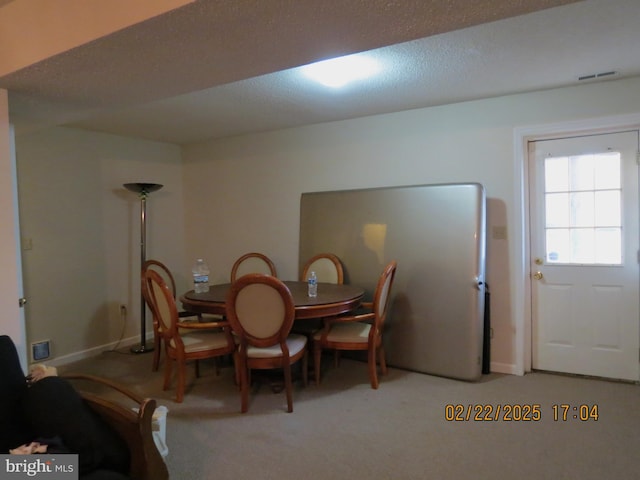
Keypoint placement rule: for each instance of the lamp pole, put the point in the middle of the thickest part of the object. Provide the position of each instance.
(143, 190)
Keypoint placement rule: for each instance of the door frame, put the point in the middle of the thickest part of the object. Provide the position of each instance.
(522, 136)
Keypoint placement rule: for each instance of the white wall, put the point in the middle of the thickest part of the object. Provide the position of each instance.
(243, 193)
(84, 229)
(12, 320)
(226, 197)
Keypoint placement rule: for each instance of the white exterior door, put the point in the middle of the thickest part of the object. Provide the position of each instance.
(584, 255)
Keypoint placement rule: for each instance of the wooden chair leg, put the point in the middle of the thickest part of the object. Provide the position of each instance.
(181, 382)
(156, 353)
(197, 368)
(167, 373)
(236, 368)
(288, 387)
(373, 368)
(305, 368)
(383, 361)
(244, 386)
(317, 359)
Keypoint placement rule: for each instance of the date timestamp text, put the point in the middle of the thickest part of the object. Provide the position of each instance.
(518, 412)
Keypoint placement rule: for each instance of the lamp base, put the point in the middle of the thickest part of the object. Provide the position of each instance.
(142, 348)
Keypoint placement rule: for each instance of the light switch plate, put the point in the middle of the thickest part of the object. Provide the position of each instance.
(499, 232)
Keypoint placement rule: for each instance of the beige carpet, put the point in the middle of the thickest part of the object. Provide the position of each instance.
(345, 430)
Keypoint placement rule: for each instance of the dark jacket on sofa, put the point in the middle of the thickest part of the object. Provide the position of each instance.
(51, 409)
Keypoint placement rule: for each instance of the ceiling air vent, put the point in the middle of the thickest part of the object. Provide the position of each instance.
(598, 76)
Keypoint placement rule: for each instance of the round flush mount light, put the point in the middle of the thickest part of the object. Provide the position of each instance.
(338, 72)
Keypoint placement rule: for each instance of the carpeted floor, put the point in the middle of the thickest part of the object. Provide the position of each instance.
(407, 429)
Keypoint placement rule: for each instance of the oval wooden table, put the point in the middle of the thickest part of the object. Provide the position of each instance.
(331, 300)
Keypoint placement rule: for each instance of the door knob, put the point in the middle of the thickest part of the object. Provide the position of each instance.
(22, 302)
(538, 275)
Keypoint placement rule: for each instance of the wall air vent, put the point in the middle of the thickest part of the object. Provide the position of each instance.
(41, 350)
(598, 76)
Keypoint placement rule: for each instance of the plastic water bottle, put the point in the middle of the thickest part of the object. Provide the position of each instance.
(312, 285)
(200, 276)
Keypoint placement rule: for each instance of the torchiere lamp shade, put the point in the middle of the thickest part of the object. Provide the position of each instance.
(142, 188)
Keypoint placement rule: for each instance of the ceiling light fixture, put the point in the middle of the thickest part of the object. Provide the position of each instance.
(338, 72)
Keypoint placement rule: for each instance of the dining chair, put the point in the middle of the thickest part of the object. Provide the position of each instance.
(167, 276)
(261, 311)
(183, 341)
(359, 332)
(252, 263)
(327, 266)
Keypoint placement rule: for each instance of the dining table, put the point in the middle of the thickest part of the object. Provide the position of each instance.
(331, 299)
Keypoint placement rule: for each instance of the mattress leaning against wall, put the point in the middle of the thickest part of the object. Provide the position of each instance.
(437, 235)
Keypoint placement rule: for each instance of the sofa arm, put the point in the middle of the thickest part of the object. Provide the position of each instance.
(134, 427)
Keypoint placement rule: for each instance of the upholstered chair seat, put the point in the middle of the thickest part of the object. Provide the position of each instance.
(356, 332)
(201, 341)
(295, 343)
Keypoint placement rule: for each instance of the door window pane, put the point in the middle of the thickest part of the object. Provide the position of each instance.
(582, 245)
(608, 244)
(582, 214)
(582, 172)
(608, 209)
(583, 211)
(557, 209)
(558, 246)
(607, 171)
(556, 170)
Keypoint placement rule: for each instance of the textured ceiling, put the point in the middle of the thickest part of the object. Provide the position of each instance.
(213, 69)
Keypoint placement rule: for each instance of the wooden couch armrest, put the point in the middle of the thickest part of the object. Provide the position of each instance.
(134, 427)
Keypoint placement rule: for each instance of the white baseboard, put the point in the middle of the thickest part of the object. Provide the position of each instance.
(508, 368)
(92, 352)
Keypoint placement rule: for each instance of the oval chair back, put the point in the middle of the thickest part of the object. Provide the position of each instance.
(162, 304)
(166, 275)
(381, 296)
(327, 266)
(163, 271)
(253, 262)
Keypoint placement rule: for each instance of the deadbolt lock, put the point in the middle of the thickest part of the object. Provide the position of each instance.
(538, 261)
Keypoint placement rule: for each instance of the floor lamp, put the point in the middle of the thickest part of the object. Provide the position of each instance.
(143, 190)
